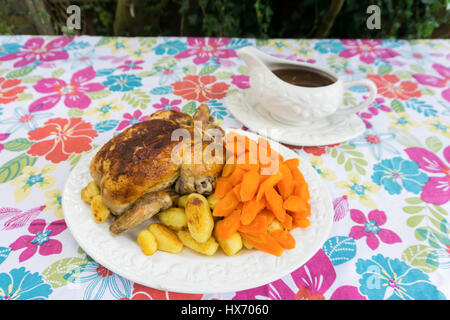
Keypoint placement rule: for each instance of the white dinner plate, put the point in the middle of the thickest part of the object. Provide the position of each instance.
(188, 271)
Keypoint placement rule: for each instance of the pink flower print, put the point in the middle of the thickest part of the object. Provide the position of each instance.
(313, 280)
(131, 65)
(40, 240)
(204, 51)
(241, 81)
(370, 228)
(130, 119)
(34, 49)
(3, 137)
(436, 81)
(373, 110)
(73, 92)
(165, 104)
(367, 50)
(437, 189)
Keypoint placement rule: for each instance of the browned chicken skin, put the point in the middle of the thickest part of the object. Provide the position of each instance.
(135, 167)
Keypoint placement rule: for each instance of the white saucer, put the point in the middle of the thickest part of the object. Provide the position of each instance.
(330, 130)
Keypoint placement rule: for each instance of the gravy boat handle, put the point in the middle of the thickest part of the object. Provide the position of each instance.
(372, 93)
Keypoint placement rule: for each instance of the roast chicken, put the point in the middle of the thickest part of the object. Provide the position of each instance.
(139, 169)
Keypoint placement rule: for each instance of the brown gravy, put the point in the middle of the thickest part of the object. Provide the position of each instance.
(303, 77)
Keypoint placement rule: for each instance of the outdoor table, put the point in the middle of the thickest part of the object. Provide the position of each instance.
(62, 97)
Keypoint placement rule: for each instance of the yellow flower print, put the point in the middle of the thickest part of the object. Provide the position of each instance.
(118, 44)
(304, 49)
(316, 163)
(105, 109)
(354, 189)
(55, 203)
(401, 120)
(32, 178)
(279, 44)
(138, 53)
(437, 125)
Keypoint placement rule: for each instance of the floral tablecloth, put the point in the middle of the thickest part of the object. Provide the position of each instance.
(60, 98)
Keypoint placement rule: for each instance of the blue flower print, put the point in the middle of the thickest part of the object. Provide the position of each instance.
(391, 279)
(6, 48)
(123, 82)
(377, 142)
(391, 172)
(333, 46)
(21, 284)
(170, 47)
(24, 119)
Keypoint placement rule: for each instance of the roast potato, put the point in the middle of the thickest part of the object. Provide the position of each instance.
(89, 192)
(174, 218)
(213, 201)
(99, 210)
(232, 245)
(147, 242)
(207, 248)
(166, 239)
(182, 201)
(199, 218)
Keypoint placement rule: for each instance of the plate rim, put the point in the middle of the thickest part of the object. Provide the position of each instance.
(189, 290)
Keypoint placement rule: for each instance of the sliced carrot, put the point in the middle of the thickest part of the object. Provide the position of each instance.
(229, 225)
(270, 182)
(302, 191)
(236, 176)
(250, 209)
(248, 161)
(275, 203)
(226, 205)
(237, 191)
(303, 223)
(286, 184)
(294, 203)
(258, 225)
(292, 163)
(287, 223)
(264, 242)
(268, 214)
(298, 176)
(298, 216)
(223, 186)
(284, 238)
(250, 184)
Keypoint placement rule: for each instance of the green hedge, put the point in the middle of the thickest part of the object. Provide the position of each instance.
(237, 18)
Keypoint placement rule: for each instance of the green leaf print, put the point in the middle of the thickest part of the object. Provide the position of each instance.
(433, 143)
(397, 106)
(137, 99)
(351, 159)
(11, 169)
(19, 144)
(420, 256)
(56, 274)
(189, 108)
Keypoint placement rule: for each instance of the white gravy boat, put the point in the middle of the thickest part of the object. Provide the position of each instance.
(293, 104)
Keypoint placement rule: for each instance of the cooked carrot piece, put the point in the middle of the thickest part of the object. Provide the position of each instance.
(275, 203)
(258, 225)
(226, 205)
(248, 161)
(250, 209)
(264, 242)
(284, 238)
(236, 176)
(287, 223)
(223, 186)
(298, 176)
(294, 203)
(250, 184)
(298, 216)
(286, 184)
(303, 223)
(237, 191)
(268, 214)
(226, 227)
(268, 183)
(302, 191)
(292, 163)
